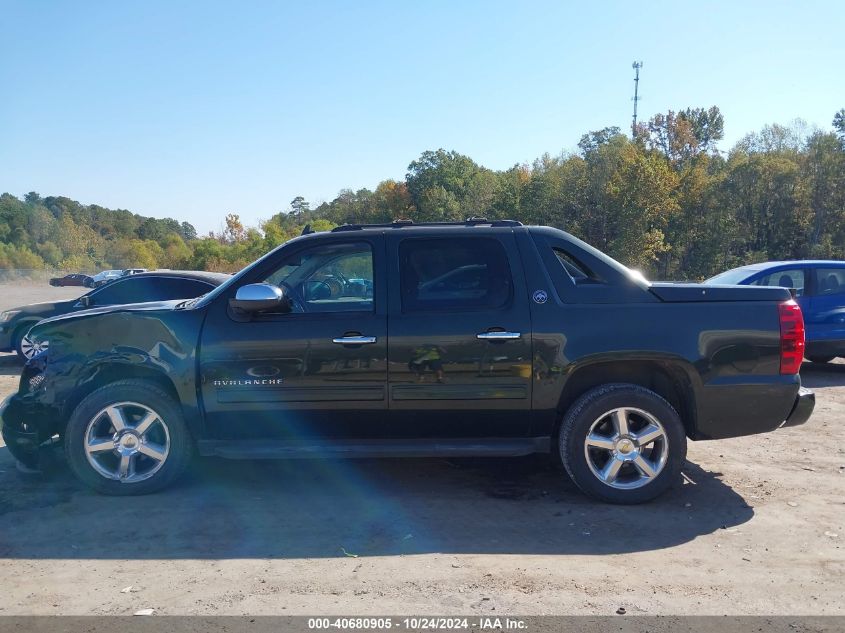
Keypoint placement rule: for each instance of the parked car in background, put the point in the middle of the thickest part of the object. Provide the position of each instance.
(104, 277)
(819, 287)
(132, 271)
(74, 279)
(141, 288)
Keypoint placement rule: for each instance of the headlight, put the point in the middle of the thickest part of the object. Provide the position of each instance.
(8, 315)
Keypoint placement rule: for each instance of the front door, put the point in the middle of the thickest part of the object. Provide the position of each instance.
(319, 371)
(459, 337)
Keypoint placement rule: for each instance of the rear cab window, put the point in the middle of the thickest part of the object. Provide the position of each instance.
(575, 269)
(579, 273)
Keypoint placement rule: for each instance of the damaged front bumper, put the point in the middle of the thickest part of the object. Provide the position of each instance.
(25, 430)
(21, 439)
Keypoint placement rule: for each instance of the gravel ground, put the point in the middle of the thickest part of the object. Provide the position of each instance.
(756, 528)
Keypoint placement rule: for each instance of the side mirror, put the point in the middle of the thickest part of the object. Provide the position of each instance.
(85, 301)
(258, 298)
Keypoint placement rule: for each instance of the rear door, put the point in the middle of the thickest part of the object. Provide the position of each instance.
(459, 351)
(825, 318)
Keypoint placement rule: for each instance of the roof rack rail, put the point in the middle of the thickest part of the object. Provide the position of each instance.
(403, 222)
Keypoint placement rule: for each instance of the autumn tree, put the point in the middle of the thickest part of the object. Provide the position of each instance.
(234, 231)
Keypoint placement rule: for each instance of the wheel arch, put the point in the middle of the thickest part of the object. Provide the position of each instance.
(670, 380)
(106, 373)
(22, 327)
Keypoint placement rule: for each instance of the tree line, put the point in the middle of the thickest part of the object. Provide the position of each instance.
(664, 200)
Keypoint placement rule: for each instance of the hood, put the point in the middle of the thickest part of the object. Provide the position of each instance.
(157, 331)
(45, 309)
(128, 307)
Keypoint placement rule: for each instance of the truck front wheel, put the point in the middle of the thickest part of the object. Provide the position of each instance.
(128, 438)
(622, 443)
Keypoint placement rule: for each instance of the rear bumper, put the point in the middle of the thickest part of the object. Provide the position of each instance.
(805, 402)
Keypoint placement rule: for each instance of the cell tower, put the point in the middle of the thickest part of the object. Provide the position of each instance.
(636, 66)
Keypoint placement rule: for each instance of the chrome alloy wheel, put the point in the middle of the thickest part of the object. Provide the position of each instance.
(626, 448)
(127, 442)
(29, 348)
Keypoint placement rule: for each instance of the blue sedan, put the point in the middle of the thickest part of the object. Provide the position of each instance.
(820, 291)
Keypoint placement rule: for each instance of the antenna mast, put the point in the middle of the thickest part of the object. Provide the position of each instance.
(636, 66)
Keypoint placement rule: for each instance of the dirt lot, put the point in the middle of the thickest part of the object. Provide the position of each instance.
(757, 528)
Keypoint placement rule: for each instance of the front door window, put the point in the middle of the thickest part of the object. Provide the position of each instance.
(790, 278)
(329, 278)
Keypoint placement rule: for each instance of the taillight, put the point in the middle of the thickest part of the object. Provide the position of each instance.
(791, 337)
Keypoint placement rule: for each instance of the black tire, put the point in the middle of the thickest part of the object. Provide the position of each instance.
(148, 395)
(594, 406)
(30, 460)
(821, 360)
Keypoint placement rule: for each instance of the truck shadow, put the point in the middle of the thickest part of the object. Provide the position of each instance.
(318, 509)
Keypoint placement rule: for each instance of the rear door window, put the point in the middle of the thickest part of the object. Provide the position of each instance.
(448, 273)
(830, 281)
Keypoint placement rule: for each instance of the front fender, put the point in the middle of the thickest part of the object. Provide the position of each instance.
(96, 349)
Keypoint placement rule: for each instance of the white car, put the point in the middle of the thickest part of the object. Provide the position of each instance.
(104, 277)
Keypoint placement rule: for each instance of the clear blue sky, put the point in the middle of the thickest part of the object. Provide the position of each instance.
(196, 109)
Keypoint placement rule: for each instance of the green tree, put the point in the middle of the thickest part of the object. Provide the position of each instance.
(640, 195)
(839, 124)
(824, 174)
(299, 207)
(449, 186)
(187, 231)
(707, 126)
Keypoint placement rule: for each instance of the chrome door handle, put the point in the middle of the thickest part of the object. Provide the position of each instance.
(354, 340)
(498, 336)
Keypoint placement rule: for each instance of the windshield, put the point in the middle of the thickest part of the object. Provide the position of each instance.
(732, 277)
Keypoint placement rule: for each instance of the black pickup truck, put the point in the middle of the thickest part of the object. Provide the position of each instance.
(475, 338)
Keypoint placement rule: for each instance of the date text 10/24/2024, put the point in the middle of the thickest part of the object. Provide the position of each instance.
(418, 623)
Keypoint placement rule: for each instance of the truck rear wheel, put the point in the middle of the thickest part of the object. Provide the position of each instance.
(128, 438)
(622, 443)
